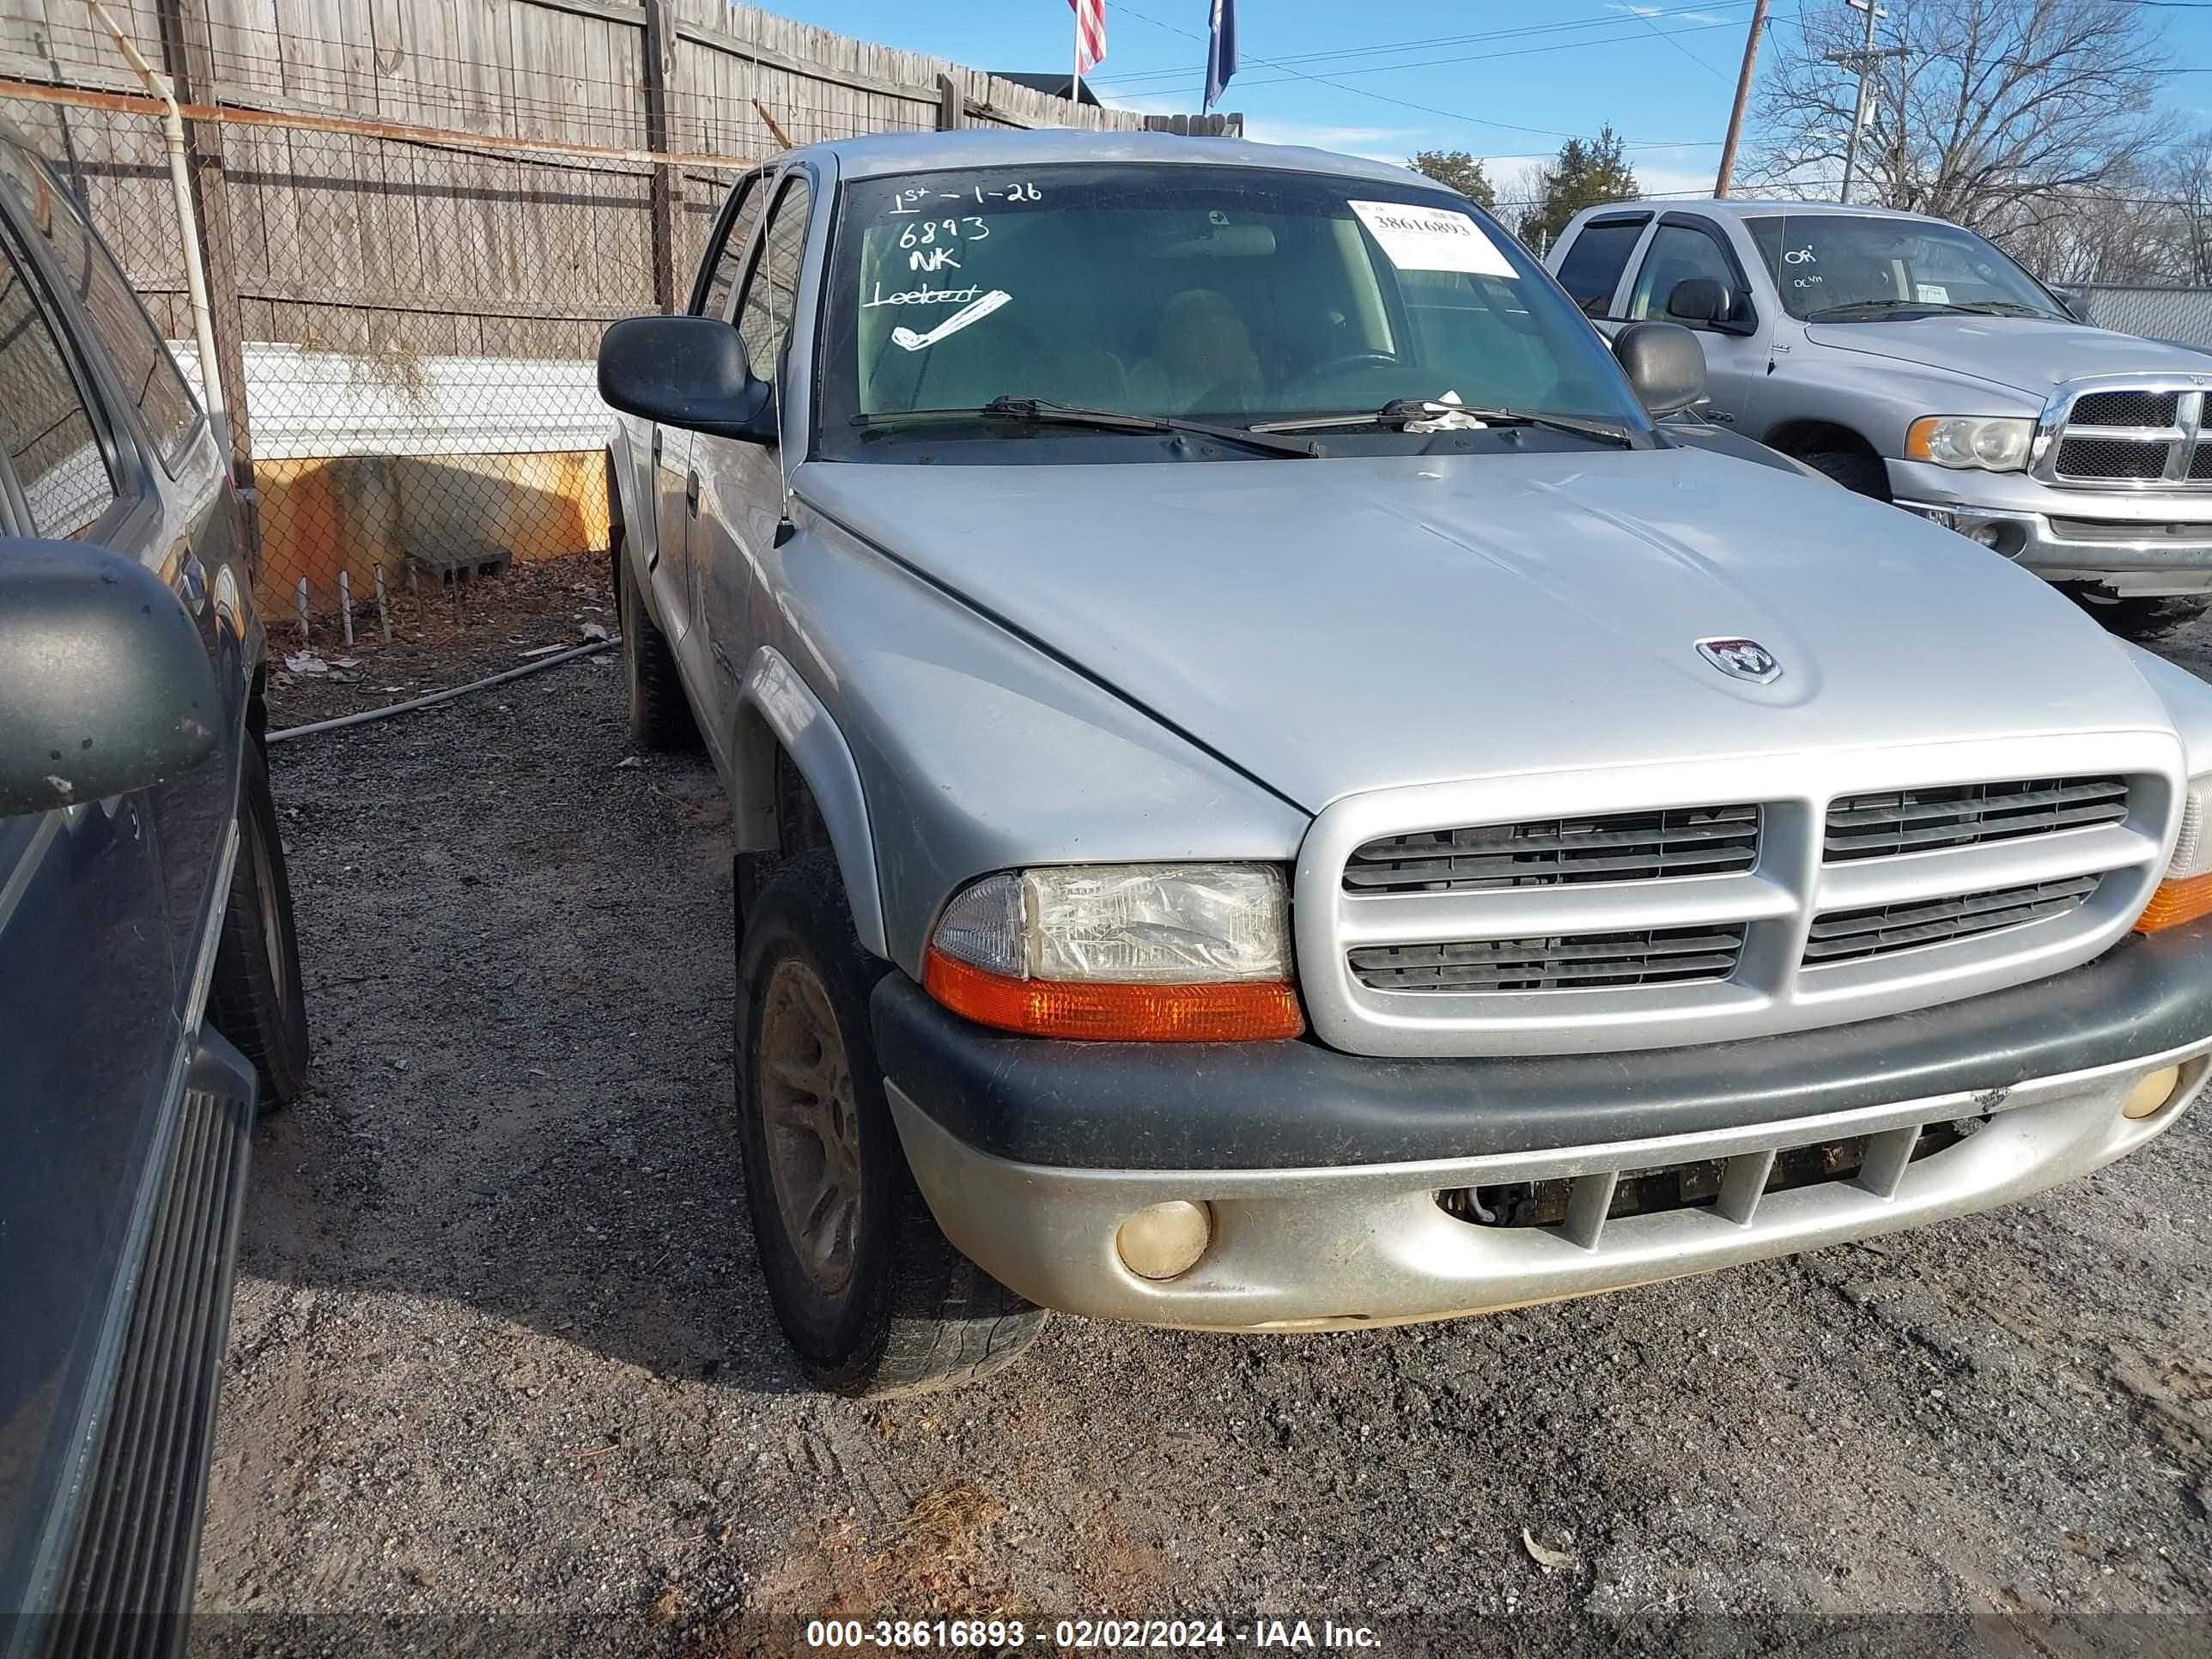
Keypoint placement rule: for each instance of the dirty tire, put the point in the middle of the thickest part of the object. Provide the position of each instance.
(1854, 469)
(902, 1310)
(659, 719)
(255, 997)
(2146, 619)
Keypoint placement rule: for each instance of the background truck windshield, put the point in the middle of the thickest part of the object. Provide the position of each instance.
(1878, 266)
(1233, 293)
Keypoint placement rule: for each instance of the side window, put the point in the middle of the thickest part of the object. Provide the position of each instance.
(771, 291)
(1591, 271)
(148, 374)
(1678, 254)
(735, 229)
(45, 424)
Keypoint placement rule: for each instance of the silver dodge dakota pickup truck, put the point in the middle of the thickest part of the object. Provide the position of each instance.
(1272, 790)
(1916, 362)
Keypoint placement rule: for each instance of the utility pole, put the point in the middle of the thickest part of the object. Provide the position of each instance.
(1742, 96)
(1862, 60)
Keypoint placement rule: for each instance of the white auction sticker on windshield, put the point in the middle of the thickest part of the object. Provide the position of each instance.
(1431, 239)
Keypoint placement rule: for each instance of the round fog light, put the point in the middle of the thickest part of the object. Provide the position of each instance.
(1165, 1239)
(2151, 1092)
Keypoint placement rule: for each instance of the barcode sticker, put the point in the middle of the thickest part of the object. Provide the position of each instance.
(1431, 239)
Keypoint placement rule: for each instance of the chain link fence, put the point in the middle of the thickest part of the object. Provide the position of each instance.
(418, 222)
(2180, 314)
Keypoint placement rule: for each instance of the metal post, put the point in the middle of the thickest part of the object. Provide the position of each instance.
(383, 609)
(345, 603)
(662, 189)
(1743, 96)
(299, 599)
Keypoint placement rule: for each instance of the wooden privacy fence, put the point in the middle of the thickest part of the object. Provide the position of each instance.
(417, 216)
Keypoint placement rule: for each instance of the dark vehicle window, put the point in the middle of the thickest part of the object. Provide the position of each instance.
(1231, 294)
(730, 256)
(1591, 271)
(1867, 266)
(764, 319)
(148, 374)
(48, 431)
(1678, 254)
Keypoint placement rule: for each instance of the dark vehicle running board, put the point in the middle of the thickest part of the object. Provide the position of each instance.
(129, 1586)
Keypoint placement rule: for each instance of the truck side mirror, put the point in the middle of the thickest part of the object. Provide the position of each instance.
(1705, 301)
(686, 372)
(1665, 364)
(105, 684)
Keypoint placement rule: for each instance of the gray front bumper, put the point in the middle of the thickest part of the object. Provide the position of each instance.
(1343, 1245)
(2138, 543)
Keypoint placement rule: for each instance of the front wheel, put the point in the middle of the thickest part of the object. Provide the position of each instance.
(255, 998)
(871, 1294)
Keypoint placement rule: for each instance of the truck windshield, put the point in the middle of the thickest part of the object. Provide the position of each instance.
(1235, 295)
(1837, 267)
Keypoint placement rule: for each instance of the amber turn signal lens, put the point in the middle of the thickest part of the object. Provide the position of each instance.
(1243, 1010)
(2175, 903)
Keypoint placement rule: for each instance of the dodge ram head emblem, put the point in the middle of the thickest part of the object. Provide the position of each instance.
(1742, 659)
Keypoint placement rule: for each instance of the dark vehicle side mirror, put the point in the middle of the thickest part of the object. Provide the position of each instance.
(1665, 364)
(105, 684)
(2070, 303)
(687, 372)
(1706, 300)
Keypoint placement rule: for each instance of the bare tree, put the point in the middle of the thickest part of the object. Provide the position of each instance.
(1988, 113)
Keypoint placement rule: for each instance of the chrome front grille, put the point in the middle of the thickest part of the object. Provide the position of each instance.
(1696, 840)
(1894, 821)
(1853, 935)
(1648, 956)
(1607, 911)
(2141, 435)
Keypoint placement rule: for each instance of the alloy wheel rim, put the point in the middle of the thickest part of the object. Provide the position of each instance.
(804, 1087)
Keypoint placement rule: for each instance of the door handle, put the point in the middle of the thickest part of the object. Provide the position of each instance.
(691, 493)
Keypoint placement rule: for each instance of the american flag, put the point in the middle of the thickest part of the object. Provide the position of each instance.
(1089, 35)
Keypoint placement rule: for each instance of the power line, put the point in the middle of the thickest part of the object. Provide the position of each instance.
(1408, 103)
(1337, 54)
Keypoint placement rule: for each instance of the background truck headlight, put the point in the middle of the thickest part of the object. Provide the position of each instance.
(1991, 443)
(1129, 953)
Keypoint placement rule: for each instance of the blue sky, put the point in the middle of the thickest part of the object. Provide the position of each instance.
(1503, 79)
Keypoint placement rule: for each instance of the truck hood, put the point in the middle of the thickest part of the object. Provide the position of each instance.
(1351, 624)
(2028, 354)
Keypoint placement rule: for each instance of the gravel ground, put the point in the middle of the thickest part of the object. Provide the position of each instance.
(502, 1374)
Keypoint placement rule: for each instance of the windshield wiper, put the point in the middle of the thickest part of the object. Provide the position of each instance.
(1401, 411)
(1045, 412)
(1858, 308)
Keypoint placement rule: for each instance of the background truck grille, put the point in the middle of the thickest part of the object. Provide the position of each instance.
(1965, 815)
(1651, 956)
(1694, 840)
(2127, 436)
(1853, 935)
(2125, 409)
(2111, 458)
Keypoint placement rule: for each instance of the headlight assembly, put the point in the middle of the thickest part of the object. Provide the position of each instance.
(1991, 443)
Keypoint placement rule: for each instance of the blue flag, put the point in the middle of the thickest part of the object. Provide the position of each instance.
(1220, 51)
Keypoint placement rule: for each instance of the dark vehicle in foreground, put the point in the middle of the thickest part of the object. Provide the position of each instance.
(149, 977)
(1273, 791)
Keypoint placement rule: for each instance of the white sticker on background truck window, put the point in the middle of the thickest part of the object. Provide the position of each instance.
(1431, 239)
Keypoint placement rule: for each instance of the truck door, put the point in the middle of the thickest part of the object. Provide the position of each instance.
(675, 451)
(90, 1048)
(741, 484)
(1684, 247)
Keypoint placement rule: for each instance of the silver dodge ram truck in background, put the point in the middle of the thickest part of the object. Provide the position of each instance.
(1914, 362)
(1270, 793)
